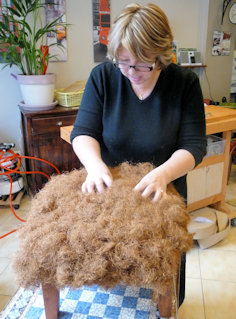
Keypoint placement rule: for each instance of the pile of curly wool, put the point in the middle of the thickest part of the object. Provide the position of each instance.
(75, 239)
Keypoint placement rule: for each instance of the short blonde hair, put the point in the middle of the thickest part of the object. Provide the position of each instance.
(145, 32)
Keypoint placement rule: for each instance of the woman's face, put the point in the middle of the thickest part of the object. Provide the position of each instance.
(136, 77)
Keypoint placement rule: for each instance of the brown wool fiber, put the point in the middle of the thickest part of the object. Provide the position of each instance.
(75, 239)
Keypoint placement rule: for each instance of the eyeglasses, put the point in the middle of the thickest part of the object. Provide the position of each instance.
(140, 68)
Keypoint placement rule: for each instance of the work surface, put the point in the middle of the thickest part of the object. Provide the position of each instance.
(218, 119)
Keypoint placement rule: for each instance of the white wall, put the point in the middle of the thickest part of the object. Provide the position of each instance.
(219, 68)
(187, 18)
(10, 117)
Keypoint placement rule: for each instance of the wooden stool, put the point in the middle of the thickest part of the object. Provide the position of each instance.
(51, 297)
(61, 254)
(51, 302)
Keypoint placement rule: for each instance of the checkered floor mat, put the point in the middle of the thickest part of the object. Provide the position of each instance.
(121, 302)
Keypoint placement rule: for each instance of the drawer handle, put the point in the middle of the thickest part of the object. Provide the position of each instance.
(59, 123)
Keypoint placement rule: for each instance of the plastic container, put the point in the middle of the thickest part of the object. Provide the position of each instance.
(215, 145)
(69, 99)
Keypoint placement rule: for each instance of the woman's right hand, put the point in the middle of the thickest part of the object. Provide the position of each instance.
(88, 151)
(99, 177)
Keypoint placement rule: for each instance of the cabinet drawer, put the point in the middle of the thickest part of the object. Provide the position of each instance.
(51, 125)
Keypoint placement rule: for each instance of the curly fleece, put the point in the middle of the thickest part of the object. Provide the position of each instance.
(75, 239)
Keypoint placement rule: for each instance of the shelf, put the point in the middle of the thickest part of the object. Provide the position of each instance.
(211, 160)
(193, 66)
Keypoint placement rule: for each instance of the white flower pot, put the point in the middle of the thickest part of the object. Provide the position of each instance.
(37, 89)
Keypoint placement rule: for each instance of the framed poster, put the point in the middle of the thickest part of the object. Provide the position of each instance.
(54, 11)
(101, 28)
(221, 43)
(175, 52)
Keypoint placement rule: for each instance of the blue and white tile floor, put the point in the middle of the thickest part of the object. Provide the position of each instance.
(121, 302)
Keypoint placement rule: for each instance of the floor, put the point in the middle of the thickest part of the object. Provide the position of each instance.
(210, 278)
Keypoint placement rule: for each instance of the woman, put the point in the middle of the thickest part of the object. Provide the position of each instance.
(140, 107)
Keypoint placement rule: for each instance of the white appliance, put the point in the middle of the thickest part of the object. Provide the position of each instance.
(189, 58)
(17, 180)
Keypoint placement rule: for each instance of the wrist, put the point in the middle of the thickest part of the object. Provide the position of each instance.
(93, 164)
(164, 173)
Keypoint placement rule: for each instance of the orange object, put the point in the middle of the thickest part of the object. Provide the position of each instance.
(61, 33)
(104, 21)
(45, 50)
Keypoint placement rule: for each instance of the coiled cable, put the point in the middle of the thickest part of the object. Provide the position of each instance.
(8, 161)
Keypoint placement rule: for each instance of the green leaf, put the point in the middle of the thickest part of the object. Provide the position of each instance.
(6, 23)
(28, 37)
(18, 7)
(25, 25)
(13, 11)
(4, 27)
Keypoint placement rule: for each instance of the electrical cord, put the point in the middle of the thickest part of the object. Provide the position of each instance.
(7, 171)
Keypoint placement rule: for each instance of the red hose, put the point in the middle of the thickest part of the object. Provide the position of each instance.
(12, 158)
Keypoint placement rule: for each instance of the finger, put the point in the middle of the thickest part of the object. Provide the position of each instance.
(90, 187)
(158, 195)
(108, 180)
(84, 187)
(140, 187)
(100, 186)
(148, 191)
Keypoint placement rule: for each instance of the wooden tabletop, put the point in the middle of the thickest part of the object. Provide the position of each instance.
(218, 119)
(65, 132)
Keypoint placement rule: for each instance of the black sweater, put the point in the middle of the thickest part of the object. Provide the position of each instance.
(150, 130)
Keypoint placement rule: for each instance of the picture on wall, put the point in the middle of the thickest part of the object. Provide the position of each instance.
(54, 11)
(221, 43)
(12, 26)
(101, 27)
(175, 52)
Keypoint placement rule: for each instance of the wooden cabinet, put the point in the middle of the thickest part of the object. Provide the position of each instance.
(41, 131)
(207, 182)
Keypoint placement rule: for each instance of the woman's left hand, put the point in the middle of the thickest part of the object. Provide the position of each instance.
(153, 185)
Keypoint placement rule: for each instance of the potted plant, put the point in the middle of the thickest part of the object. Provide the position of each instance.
(22, 37)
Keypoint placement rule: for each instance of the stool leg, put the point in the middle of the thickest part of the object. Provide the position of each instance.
(51, 301)
(165, 304)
